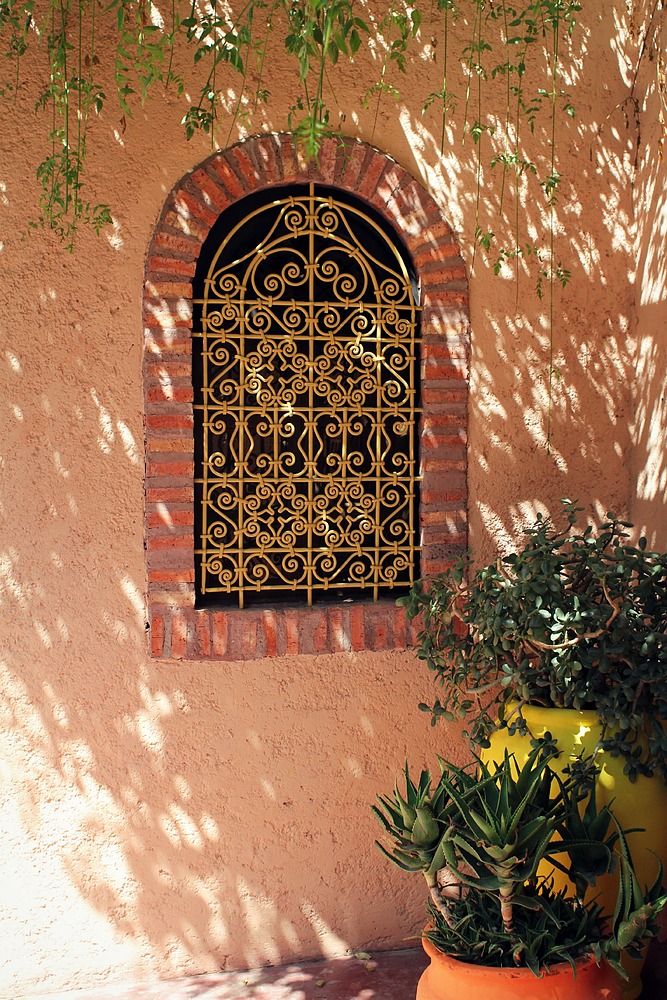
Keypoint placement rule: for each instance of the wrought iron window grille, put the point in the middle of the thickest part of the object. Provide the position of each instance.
(306, 375)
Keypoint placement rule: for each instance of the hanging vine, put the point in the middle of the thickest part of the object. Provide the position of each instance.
(509, 54)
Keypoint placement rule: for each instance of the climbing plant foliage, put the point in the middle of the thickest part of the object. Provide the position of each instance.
(228, 43)
(481, 54)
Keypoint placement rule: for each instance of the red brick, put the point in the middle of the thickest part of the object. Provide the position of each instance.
(450, 319)
(339, 630)
(452, 464)
(357, 627)
(167, 314)
(168, 342)
(389, 182)
(371, 175)
(441, 524)
(292, 632)
(440, 275)
(175, 518)
(179, 635)
(182, 246)
(169, 393)
(190, 204)
(417, 202)
(454, 348)
(269, 625)
(434, 395)
(171, 557)
(211, 193)
(244, 168)
(327, 159)
(351, 163)
(171, 575)
(220, 633)
(195, 228)
(320, 633)
(432, 494)
(443, 249)
(170, 265)
(288, 157)
(452, 267)
(445, 369)
(170, 541)
(167, 369)
(157, 635)
(229, 179)
(400, 628)
(249, 637)
(433, 566)
(160, 469)
(175, 446)
(434, 422)
(444, 294)
(379, 634)
(166, 482)
(170, 495)
(429, 236)
(169, 421)
(178, 598)
(203, 633)
(169, 289)
(443, 444)
(266, 149)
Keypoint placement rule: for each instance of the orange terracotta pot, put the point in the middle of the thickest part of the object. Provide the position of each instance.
(448, 979)
(642, 803)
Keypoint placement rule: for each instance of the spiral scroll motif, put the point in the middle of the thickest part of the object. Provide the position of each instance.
(307, 409)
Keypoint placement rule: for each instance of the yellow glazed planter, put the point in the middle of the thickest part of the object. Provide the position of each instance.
(642, 803)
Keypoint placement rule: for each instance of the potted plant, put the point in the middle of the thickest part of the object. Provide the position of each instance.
(497, 923)
(575, 619)
(564, 640)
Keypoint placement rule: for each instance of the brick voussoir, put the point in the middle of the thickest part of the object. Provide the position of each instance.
(178, 630)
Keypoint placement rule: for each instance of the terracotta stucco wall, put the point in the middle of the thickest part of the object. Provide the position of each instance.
(649, 469)
(158, 818)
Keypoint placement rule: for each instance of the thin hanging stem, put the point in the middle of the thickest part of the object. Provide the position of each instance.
(480, 132)
(384, 70)
(508, 110)
(552, 224)
(167, 78)
(214, 99)
(445, 44)
(260, 69)
(80, 109)
(65, 84)
(470, 55)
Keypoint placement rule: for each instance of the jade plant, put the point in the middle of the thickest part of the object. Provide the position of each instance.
(575, 618)
(487, 839)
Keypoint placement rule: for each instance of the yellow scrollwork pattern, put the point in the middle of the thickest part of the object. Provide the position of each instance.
(308, 404)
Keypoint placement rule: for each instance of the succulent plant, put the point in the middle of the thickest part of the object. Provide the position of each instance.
(493, 829)
(577, 618)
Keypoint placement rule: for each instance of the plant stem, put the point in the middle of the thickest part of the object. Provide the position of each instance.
(552, 222)
(445, 45)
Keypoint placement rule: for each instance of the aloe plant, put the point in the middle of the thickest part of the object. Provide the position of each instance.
(483, 836)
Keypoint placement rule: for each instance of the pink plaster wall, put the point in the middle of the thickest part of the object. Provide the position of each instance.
(649, 464)
(162, 819)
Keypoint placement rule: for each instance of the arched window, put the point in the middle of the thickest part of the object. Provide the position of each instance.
(306, 377)
(283, 408)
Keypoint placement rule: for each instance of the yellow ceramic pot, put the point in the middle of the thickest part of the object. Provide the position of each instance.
(642, 803)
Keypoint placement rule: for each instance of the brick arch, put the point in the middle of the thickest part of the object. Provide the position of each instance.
(177, 629)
